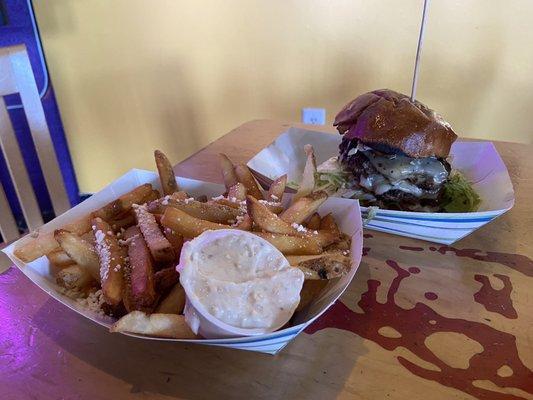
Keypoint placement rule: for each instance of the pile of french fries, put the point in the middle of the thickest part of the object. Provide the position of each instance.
(126, 252)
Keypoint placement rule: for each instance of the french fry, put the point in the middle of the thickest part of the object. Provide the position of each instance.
(166, 173)
(328, 223)
(325, 238)
(274, 207)
(267, 220)
(80, 251)
(342, 244)
(79, 226)
(328, 266)
(37, 247)
(139, 281)
(295, 259)
(111, 258)
(159, 246)
(314, 222)
(225, 202)
(328, 234)
(237, 192)
(187, 225)
(74, 277)
(59, 258)
(158, 218)
(152, 196)
(309, 274)
(44, 243)
(166, 279)
(228, 171)
(307, 185)
(247, 179)
(208, 211)
(245, 224)
(304, 207)
(158, 205)
(159, 325)
(88, 237)
(123, 223)
(123, 204)
(276, 190)
(310, 290)
(174, 302)
(175, 239)
(292, 245)
(180, 195)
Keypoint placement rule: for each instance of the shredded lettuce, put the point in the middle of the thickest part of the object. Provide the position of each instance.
(372, 212)
(331, 177)
(331, 182)
(459, 196)
(293, 185)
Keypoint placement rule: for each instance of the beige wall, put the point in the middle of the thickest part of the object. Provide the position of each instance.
(134, 75)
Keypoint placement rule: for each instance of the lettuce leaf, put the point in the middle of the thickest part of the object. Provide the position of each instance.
(331, 181)
(293, 185)
(331, 177)
(459, 196)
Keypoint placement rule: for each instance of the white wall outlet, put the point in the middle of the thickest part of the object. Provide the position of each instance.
(314, 116)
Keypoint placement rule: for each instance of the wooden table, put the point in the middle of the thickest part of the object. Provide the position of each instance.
(419, 321)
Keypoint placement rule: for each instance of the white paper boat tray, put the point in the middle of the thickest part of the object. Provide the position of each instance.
(478, 161)
(346, 212)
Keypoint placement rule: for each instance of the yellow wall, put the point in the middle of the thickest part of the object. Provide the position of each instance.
(133, 75)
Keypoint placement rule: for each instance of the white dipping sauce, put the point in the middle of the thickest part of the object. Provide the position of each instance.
(240, 279)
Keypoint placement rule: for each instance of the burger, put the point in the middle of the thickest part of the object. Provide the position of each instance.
(394, 155)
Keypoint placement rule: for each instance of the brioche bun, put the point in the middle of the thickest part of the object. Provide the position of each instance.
(390, 122)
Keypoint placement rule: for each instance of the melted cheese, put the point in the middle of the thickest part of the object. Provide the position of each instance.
(379, 185)
(397, 168)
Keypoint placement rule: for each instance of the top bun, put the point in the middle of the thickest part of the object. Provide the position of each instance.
(390, 122)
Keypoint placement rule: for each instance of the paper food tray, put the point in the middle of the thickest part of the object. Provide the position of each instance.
(346, 212)
(478, 161)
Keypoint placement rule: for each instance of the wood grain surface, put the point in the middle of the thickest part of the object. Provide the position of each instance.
(419, 321)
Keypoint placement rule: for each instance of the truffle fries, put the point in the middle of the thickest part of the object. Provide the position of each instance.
(130, 247)
(79, 251)
(244, 175)
(308, 183)
(112, 261)
(276, 190)
(304, 207)
(139, 291)
(159, 246)
(228, 171)
(123, 204)
(166, 174)
(161, 325)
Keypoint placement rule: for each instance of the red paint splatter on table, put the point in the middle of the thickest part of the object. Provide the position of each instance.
(366, 250)
(368, 235)
(431, 296)
(414, 270)
(498, 301)
(416, 325)
(517, 262)
(411, 248)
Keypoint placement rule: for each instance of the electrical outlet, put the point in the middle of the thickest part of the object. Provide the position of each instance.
(314, 116)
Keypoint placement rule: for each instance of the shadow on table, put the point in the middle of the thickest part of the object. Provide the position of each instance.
(312, 366)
